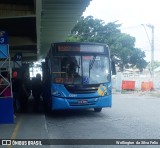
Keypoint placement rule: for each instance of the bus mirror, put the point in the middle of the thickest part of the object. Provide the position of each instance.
(113, 68)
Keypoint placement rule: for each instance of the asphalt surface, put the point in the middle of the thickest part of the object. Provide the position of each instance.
(132, 116)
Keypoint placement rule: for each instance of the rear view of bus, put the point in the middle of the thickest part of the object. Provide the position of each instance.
(77, 76)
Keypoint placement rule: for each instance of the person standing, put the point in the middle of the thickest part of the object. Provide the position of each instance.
(36, 91)
(25, 91)
(15, 91)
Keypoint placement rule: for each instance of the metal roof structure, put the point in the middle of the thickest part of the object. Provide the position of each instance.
(32, 25)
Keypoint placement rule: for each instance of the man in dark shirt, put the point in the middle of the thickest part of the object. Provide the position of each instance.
(37, 90)
(16, 90)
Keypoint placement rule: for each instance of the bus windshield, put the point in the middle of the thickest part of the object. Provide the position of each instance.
(81, 69)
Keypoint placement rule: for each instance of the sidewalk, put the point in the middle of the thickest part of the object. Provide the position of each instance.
(28, 125)
(31, 126)
(154, 93)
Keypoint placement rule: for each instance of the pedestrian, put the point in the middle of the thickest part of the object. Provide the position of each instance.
(16, 84)
(25, 91)
(36, 91)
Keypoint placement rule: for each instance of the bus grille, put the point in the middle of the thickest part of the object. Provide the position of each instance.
(82, 89)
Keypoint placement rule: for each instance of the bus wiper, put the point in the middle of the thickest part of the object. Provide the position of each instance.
(91, 63)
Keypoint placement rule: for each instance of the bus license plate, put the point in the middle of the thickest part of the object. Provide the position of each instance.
(82, 101)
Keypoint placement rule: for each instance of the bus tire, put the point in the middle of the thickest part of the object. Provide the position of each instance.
(97, 109)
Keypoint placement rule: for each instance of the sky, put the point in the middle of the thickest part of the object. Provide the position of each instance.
(132, 14)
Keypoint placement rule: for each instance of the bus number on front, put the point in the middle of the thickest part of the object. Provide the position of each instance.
(72, 95)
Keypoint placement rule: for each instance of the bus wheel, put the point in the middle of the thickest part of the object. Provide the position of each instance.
(97, 109)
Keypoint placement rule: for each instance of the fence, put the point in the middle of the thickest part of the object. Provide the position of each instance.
(138, 78)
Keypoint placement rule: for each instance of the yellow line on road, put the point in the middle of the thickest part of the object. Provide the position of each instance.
(15, 131)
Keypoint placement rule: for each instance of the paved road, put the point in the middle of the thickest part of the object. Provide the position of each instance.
(131, 117)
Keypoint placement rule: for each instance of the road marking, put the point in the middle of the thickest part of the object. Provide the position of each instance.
(15, 131)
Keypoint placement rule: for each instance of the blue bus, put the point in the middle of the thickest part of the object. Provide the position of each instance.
(77, 75)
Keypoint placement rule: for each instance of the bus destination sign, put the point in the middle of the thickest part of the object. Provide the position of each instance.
(81, 48)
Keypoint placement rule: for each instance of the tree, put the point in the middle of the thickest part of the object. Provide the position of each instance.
(156, 64)
(137, 59)
(122, 46)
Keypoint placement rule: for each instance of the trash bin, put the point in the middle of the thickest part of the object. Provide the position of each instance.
(147, 86)
(128, 85)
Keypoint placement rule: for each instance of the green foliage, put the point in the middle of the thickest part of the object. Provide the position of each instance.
(122, 46)
(156, 64)
(137, 58)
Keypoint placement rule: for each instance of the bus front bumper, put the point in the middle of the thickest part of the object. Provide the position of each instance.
(64, 103)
